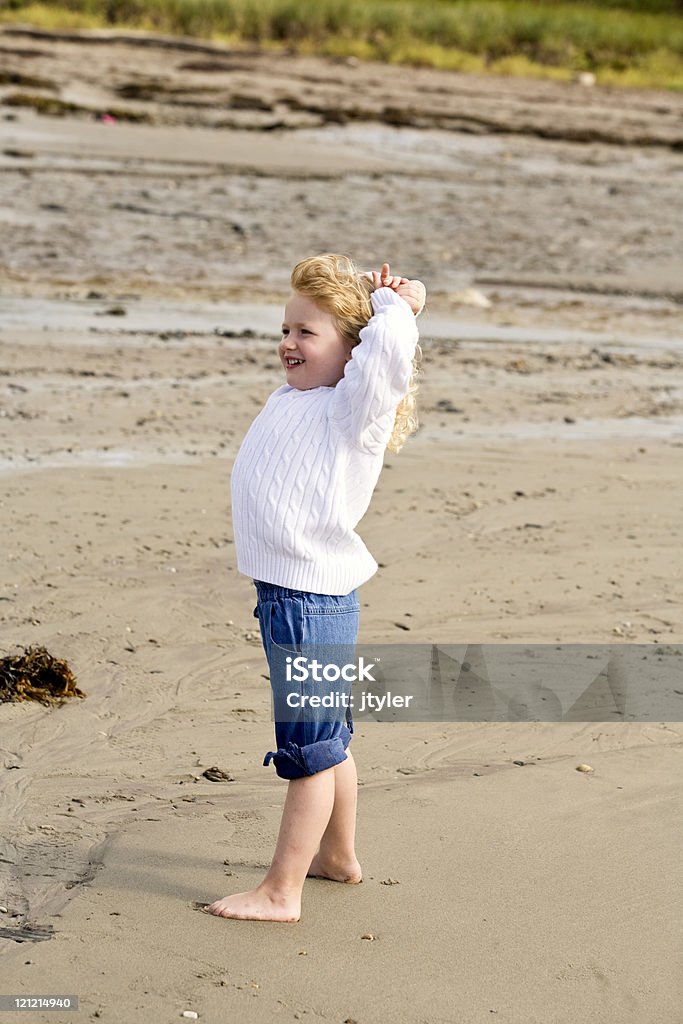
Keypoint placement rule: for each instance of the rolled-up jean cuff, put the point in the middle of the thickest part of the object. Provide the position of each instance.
(295, 762)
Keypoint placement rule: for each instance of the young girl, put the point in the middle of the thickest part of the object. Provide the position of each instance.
(302, 480)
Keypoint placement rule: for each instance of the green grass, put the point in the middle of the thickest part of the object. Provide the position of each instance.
(623, 42)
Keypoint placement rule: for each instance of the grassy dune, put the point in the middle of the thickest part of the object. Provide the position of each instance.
(623, 42)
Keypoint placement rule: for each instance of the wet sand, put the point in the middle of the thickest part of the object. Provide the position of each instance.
(143, 270)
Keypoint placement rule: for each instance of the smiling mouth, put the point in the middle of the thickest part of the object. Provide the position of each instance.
(289, 361)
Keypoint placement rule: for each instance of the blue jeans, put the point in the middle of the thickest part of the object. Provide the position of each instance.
(307, 742)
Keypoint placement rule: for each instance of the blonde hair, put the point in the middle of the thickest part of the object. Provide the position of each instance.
(334, 284)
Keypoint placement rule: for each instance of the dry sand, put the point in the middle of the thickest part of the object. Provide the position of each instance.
(143, 271)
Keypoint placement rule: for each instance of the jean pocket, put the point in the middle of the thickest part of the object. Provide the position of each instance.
(285, 625)
(332, 627)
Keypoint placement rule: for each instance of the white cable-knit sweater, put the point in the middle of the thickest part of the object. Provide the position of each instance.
(305, 472)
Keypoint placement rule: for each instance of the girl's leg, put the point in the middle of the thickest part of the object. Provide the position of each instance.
(306, 814)
(336, 857)
(312, 801)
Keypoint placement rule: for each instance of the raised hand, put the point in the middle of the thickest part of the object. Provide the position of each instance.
(414, 292)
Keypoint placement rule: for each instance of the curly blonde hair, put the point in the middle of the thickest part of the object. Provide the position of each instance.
(334, 284)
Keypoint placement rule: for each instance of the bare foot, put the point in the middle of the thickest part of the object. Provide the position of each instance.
(256, 905)
(339, 871)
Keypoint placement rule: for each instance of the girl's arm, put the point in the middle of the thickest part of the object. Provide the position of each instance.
(376, 377)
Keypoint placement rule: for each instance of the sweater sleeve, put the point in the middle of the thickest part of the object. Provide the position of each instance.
(376, 377)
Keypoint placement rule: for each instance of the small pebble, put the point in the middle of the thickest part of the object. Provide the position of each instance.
(369, 936)
(216, 774)
(192, 1014)
(583, 768)
(3, 910)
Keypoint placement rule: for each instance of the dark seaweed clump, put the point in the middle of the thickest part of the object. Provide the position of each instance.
(37, 675)
(52, 106)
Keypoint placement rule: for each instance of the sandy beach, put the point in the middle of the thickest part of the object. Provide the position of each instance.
(144, 267)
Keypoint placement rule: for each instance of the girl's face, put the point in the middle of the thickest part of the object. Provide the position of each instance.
(312, 351)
